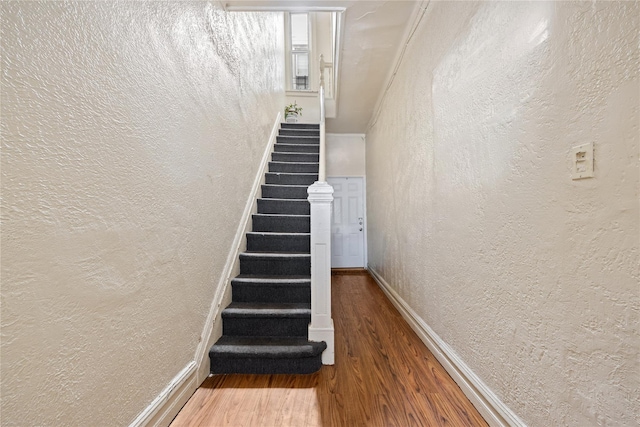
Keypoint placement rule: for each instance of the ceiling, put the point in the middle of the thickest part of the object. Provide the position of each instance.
(372, 33)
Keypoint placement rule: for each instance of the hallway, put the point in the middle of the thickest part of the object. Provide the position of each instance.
(383, 376)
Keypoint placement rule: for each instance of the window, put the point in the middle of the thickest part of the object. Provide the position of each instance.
(299, 51)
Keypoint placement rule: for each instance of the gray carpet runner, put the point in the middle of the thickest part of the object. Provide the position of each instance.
(264, 329)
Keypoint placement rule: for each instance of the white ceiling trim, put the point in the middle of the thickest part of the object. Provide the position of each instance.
(231, 8)
(283, 6)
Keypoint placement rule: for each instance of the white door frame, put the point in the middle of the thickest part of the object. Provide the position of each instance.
(364, 208)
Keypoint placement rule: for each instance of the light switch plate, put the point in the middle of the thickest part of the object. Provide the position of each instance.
(582, 161)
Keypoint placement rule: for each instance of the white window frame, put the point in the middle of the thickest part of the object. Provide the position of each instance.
(313, 62)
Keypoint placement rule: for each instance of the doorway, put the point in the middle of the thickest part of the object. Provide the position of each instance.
(347, 224)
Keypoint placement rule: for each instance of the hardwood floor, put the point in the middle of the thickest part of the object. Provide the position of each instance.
(383, 376)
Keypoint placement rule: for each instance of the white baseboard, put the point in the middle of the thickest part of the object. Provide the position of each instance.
(494, 411)
(168, 403)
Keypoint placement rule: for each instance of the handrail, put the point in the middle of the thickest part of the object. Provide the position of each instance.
(324, 65)
(322, 176)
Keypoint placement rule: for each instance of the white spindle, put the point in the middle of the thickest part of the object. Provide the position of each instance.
(322, 177)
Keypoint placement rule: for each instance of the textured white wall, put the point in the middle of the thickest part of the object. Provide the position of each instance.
(309, 104)
(345, 154)
(474, 219)
(131, 135)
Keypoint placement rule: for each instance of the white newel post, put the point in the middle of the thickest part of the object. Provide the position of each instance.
(321, 326)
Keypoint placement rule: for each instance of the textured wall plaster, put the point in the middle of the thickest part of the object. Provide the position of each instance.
(131, 135)
(474, 219)
(345, 154)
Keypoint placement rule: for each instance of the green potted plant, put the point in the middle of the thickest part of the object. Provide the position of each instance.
(291, 113)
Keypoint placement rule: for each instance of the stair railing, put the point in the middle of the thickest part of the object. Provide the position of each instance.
(321, 200)
(322, 169)
(329, 91)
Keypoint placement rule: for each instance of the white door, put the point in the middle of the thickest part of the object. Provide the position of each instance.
(347, 227)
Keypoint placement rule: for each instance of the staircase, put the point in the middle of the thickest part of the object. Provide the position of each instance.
(265, 328)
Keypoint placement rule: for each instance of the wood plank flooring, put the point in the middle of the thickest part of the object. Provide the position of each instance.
(383, 376)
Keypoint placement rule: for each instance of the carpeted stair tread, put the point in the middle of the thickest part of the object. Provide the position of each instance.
(286, 263)
(301, 132)
(297, 167)
(290, 178)
(300, 125)
(254, 278)
(269, 233)
(297, 139)
(275, 289)
(297, 145)
(276, 255)
(301, 155)
(302, 163)
(285, 347)
(262, 309)
(282, 147)
(277, 216)
(282, 215)
(289, 200)
(286, 185)
(289, 157)
(284, 191)
(278, 242)
(281, 222)
(292, 174)
(283, 206)
(298, 153)
(266, 319)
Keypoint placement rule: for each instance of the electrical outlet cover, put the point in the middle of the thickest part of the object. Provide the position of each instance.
(582, 161)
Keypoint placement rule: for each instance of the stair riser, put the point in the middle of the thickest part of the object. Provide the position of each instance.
(265, 326)
(262, 365)
(264, 292)
(286, 179)
(285, 207)
(281, 224)
(298, 140)
(283, 192)
(297, 148)
(312, 126)
(293, 167)
(271, 266)
(278, 243)
(300, 132)
(295, 157)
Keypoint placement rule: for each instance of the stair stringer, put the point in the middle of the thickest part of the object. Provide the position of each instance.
(213, 325)
(168, 403)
